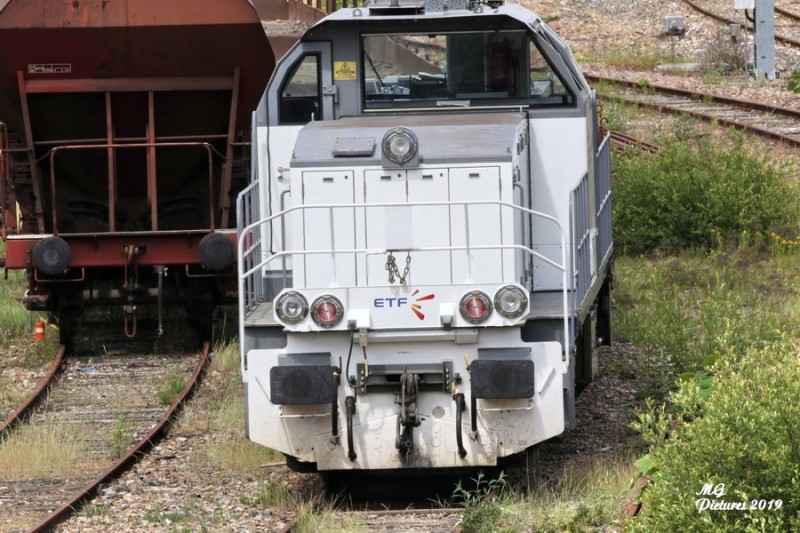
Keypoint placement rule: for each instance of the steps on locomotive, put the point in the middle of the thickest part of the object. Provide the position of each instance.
(261, 310)
(262, 315)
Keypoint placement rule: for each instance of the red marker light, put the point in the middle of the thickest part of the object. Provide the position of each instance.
(327, 311)
(475, 307)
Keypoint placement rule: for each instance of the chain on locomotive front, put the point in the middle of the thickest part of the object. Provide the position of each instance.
(425, 257)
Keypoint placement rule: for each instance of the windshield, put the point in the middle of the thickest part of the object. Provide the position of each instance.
(490, 68)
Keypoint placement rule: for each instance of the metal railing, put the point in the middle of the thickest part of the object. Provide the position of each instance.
(592, 244)
(247, 205)
(582, 235)
(249, 252)
(112, 181)
(602, 199)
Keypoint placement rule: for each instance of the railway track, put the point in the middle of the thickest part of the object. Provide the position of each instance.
(623, 140)
(777, 123)
(35, 397)
(787, 22)
(405, 520)
(793, 13)
(396, 521)
(94, 419)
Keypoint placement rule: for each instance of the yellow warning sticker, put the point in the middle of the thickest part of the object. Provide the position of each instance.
(344, 70)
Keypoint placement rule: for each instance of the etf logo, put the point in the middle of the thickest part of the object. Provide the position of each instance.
(416, 307)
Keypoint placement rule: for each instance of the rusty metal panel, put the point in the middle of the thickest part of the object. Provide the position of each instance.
(127, 39)
(128, 71)
(119, 13)
(162, 248)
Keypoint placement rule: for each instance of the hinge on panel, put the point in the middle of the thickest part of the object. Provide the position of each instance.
(331, 90)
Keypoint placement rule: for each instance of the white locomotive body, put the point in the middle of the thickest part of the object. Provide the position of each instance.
(425, 250)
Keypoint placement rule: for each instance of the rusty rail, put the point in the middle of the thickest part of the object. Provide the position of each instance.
(788, 14)
(778, 38)
(622, 140)
(36, 396)
(145, 444)
(709, 100)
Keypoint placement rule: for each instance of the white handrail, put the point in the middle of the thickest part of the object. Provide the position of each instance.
(374, 251)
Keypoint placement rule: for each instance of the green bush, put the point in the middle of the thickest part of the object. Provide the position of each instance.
(793, 84)
(738, 436)
(702, 196)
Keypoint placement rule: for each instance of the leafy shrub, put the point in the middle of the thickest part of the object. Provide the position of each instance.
(485, 505)
(722, 54)
(741, 435)
(793, 84)
(618, 114)
(700, 195)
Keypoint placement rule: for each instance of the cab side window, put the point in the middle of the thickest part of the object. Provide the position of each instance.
(301, 95)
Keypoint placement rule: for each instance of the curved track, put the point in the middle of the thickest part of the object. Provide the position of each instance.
(777, 123)
(33, 400)
(101, 413)
(786, 26)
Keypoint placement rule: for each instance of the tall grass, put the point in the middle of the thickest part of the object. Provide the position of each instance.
(15, 321)
(638, 58)
(223, 408)
(688, 310)
(222, 411)
(583, 496)
(587, 494)
(35, 451)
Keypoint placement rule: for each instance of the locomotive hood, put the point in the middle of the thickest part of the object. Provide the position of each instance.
(456, 138)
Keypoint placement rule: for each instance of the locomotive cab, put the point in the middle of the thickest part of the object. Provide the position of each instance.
(425, 253)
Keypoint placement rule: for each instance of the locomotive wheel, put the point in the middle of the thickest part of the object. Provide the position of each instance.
(66, 326)
(524, 470)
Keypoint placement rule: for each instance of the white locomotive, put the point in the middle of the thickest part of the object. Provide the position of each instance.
(425, 250)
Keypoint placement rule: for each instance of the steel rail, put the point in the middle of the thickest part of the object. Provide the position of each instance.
(778, 38)
(788, 113)
(787, 14)
(35, 397)
(755, 106)
(382, 520)
(623, 140)
(142, 447)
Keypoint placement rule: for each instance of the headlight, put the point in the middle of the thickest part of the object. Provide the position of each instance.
(475, 307)
(399, 145)
(327, 311)
(291, 307)
(511, 301)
